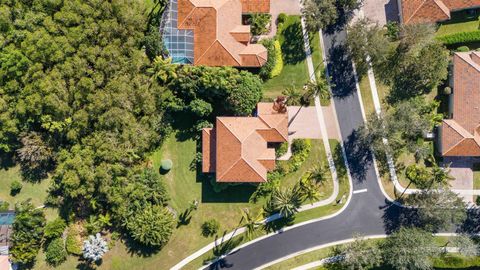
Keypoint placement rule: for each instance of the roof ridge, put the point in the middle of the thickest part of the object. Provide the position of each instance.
(188, 15)
(415, 12)
(443, 7)
(250, 165)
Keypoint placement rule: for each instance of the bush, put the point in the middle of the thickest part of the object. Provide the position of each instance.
(463, 49)
(447, 91)
(54, 228)
(277, 69)
(266, 70)
(4, 206)
(461, 37)
(73, 243)
(210, 227)
(166, 165)
(259, 23)
(282, 17)
(56, 253)
(300, 145)
(15, 188)
(282, 149)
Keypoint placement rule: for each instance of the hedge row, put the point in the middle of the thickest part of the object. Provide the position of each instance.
(266, 70)
(461, 37)
(277, 69)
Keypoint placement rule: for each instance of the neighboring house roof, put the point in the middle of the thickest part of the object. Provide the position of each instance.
(236, 149)
(430, 11)
(460, 136)
(220, 39)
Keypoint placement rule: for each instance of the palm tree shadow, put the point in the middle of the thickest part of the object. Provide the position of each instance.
(359, 156)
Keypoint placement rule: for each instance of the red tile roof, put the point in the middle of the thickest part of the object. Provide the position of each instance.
(255, 6)
(430, 11)
(220, 39)
(236, 149)
(460, 135)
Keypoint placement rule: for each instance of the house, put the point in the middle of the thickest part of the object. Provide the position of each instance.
(237, 148)
(460, 135)
(431, 11)
(211, 33)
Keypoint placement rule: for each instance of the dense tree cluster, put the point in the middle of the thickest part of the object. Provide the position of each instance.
(320, 14)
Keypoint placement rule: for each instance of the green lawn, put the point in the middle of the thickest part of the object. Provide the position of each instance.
(295, 70)
(367, 97)
(317, 157)
(449, 261)
(460, 22)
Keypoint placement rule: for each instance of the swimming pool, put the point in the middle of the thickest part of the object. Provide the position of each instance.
(6, 218)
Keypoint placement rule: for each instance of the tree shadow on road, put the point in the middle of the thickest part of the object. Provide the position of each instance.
(341, 71)
(359, 156)
(395, 217)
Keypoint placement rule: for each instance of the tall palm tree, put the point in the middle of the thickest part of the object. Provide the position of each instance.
(286, 201)
(440, 176)
(309, 190)
(294, 96)
(251, 222)
(317, 88)
(318, 173)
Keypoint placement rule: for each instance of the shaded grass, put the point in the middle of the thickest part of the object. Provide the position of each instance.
(461, 21)
(294, 72)
(367, 97)
(476, 176)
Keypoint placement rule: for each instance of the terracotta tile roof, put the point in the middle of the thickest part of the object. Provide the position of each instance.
(460, 135)
(236, 149)
(430, 11)
(220, 39)
(255, 6)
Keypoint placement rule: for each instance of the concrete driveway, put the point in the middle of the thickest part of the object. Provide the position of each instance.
(461, 170)
(289, 7)
(381, 11)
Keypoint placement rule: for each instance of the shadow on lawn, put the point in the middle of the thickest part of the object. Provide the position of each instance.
(233, 193)
(292, 47)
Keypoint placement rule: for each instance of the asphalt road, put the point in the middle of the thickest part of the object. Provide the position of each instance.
(367, 213)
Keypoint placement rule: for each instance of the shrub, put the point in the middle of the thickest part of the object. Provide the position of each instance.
(210, 227)
(55, 228)
(461, 37)
(282, 17)
(259, 23)
(15, 187)
(282, 149)
(266, 70)
(73, 243)
(200, 108)
(447, 91)
(463, 49)
(300, 145)
(4, 206)
(277, 69)
(56, 253)
(94, 248)
(166, 165)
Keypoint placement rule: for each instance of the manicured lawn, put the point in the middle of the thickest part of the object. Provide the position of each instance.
(317, 157)
(299, 217)
(367, 98)
(461, 22)
(295, 70)
(37, 191)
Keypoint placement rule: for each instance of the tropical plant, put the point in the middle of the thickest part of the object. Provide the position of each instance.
(162, 70)
(315, 88)
(294, 96)
(27, 233)
(308, 189)
(55, 228)
(15, 187)
(318, 173)
(94, 248)
(150, 226)
(210, 227)
(259, 23)
(251, 222)
(466, 246)
(286, 201)
(56, 253)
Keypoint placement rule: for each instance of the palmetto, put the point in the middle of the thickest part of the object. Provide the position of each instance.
(286, 201)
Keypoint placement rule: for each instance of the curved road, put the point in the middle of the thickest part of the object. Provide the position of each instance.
(367, 213)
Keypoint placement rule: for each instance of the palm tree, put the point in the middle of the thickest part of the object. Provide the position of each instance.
(251, 222)
(163, 71)
(318, 173)
(441, 176)
(286, 201)
(308, 189)
(317, 88)
(294, 97)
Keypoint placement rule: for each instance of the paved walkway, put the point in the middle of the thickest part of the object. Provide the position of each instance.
(289, 7)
